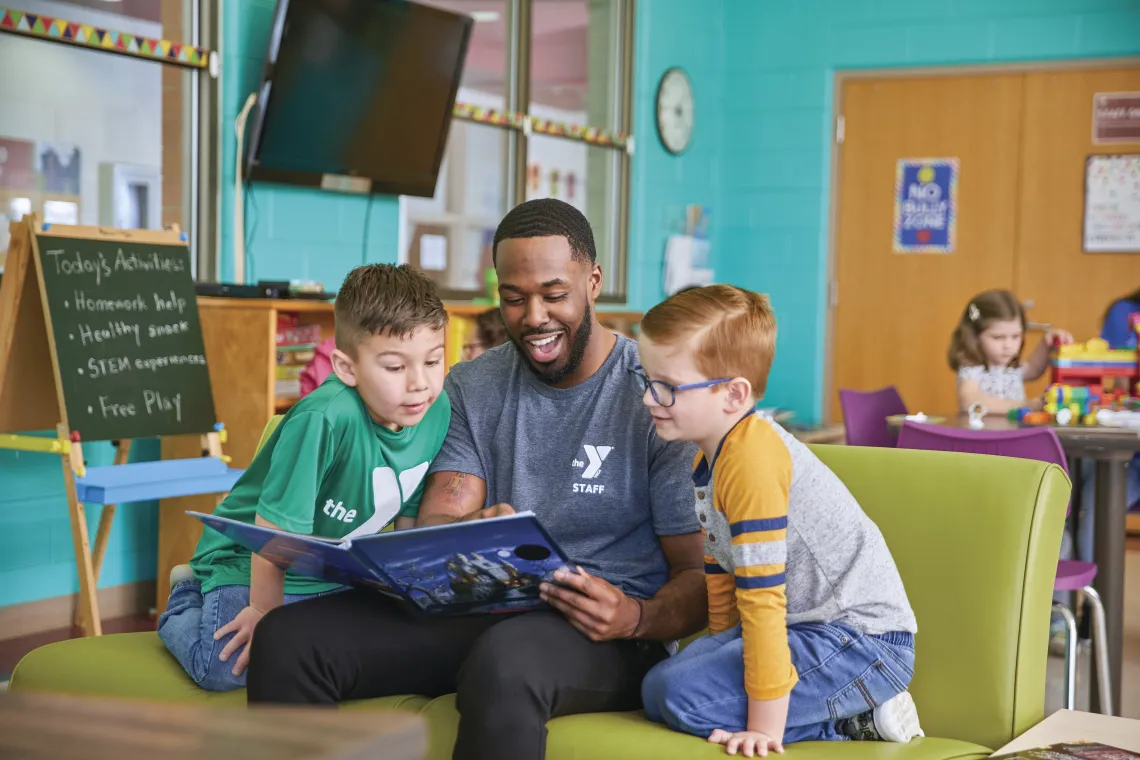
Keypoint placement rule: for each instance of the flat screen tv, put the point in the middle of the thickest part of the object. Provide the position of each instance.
(357, 95)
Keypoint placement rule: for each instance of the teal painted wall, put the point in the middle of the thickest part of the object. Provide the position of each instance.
(37, 557)
(782, 57)
(691, 35)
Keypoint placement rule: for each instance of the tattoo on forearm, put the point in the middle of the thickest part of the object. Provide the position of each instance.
(454, 486)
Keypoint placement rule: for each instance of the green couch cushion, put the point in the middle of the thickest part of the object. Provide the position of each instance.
(976, 540)
(136, 666)
(629, 735)
(621, 736)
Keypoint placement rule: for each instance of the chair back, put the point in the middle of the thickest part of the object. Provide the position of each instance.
(865, 415)
(1039, 443)
(975, 540)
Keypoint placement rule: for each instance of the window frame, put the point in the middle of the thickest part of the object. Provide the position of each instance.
(201, 145)
(519, 125)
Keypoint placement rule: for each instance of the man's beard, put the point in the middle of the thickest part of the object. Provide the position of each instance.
(553, 375)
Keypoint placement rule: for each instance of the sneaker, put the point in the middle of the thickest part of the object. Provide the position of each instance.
(896, 720)
(180, 573)
(860, 728)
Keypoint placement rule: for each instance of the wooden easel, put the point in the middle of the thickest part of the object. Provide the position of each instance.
(32, 393)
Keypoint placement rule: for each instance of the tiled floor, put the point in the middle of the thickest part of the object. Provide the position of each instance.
(1130, 684)
(13, 649)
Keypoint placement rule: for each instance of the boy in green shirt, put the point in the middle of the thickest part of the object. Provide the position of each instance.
(347, 460)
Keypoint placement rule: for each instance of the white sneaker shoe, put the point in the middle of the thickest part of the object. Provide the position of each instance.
(180, 573)
(896, 720)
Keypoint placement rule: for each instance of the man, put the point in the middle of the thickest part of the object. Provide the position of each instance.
(553, 424)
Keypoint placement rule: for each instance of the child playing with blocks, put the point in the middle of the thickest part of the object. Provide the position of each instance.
(985, 351)
(347, 460)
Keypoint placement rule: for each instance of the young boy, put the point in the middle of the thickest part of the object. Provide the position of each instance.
(811, 634)
(347, 460)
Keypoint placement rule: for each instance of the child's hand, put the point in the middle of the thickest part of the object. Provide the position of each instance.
(1064, 337)
(242, 628)
(750, 743)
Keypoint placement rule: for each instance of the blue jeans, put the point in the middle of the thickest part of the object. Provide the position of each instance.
(188, 625)
(842, 673)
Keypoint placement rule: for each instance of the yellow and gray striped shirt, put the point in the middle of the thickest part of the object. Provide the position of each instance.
(787, 543)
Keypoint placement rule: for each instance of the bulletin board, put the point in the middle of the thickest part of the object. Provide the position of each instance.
(1112, 204)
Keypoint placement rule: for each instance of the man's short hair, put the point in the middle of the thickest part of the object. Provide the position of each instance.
(735, 329)
(385, 299)
(548, 217)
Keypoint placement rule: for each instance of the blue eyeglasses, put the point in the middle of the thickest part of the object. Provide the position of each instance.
(664, 393)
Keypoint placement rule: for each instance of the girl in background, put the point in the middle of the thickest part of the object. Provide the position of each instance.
(985, 351)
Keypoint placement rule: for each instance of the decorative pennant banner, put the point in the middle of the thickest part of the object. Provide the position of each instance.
(107, 40)
(519, 121)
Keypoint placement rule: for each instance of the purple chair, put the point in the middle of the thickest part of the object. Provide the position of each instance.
(865, 415)
(1072, 575)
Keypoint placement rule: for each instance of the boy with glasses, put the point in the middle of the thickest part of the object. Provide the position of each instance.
(811, 634)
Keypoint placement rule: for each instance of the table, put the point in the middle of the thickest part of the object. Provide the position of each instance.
(64, 727)
(833, 434)
(1112, 450)
(1071, 726)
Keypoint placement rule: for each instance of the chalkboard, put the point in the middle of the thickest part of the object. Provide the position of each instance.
(128, 341)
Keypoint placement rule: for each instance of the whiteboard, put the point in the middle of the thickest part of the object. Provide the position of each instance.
(1112, 204)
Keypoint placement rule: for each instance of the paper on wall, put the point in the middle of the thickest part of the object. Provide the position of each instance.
(685, 257)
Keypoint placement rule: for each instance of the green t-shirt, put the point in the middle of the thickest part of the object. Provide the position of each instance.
(328, 470)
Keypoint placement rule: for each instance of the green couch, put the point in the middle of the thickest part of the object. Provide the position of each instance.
(976, 539)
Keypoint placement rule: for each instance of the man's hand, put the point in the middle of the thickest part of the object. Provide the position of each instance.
(242, 627)
(748, 743)
(495, 510)
(592, 605)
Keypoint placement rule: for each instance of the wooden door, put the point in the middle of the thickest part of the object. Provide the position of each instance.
(1068, 288)
(893, 313)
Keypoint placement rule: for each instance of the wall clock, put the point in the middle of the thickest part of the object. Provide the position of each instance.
(675, 110)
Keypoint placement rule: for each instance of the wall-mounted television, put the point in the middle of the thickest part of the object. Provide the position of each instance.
(357, 95)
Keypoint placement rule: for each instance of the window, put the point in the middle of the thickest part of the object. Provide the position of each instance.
(542, 111)
(98, 138)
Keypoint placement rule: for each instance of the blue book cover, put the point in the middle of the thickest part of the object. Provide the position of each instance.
(481, 566)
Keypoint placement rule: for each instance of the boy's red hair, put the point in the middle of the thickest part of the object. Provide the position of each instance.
(735, 329)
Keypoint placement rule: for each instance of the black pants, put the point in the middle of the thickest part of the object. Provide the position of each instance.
(511, 673)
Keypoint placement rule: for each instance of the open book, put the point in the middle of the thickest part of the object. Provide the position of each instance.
(482, 566)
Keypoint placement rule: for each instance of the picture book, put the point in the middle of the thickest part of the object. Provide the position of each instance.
(481, 566)
(1071, 751)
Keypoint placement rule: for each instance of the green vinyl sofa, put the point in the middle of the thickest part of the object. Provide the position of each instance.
(976, 539)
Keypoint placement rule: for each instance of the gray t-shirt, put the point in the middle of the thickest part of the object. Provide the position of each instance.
(586, 460)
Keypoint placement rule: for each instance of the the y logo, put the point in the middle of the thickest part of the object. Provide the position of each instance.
(596, 455)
